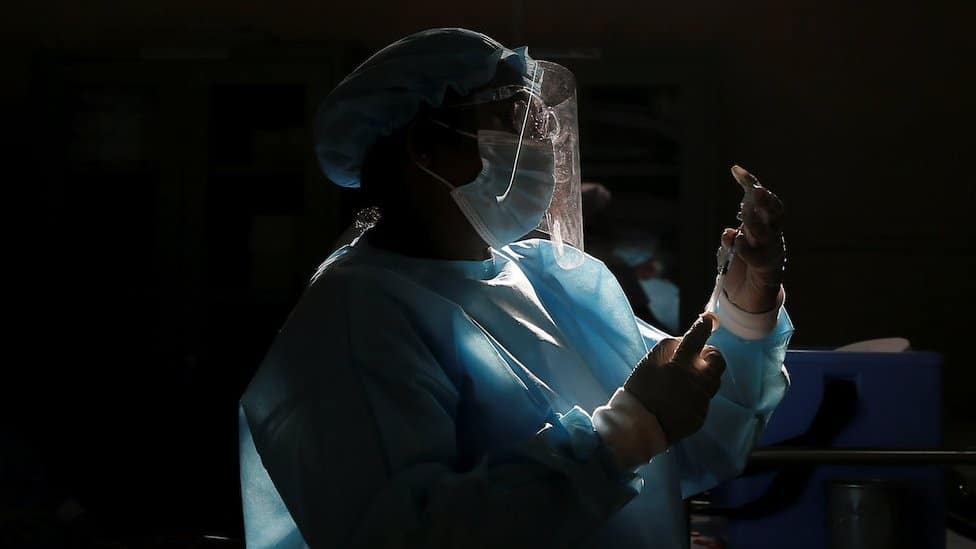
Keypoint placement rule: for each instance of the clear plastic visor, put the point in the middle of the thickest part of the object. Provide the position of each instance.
(541, 110)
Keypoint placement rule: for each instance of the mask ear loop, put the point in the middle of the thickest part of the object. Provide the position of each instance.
(431, 173)
(511, 181)
(452, 128)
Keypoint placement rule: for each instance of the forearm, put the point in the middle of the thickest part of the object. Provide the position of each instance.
(511, 499)
(752, 386)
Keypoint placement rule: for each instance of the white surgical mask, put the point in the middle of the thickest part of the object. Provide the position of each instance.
(502, 206)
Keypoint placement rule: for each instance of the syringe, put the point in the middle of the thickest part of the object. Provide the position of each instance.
(724, 256)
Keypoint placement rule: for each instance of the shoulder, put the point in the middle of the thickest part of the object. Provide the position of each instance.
(537, 259)
(358, 292)
(348, 277)
(539, 254)
(353, 316)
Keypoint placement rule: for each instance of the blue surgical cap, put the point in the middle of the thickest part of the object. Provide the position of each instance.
(386, 91)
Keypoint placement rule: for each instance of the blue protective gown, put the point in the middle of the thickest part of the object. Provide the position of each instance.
(421, 403)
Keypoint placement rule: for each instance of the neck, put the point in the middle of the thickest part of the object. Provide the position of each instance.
(415, 240)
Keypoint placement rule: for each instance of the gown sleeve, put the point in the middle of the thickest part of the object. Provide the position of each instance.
(590, 306)
(753, 384)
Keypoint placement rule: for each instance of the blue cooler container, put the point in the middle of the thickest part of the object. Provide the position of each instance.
(878, 400)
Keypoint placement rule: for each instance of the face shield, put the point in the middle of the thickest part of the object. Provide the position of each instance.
(563, 221)
(539, 112)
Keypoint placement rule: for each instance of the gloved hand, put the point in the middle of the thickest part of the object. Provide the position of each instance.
(756, 272)
(678, 377)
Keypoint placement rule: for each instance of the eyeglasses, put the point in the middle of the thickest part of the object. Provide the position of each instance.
(513, 109)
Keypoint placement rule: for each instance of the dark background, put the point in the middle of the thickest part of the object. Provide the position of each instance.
(153, 257)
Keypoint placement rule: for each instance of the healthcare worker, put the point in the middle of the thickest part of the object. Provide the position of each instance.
(443, 384)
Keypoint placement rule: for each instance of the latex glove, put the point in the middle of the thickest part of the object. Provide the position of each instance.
(677, 379)
(756, 271)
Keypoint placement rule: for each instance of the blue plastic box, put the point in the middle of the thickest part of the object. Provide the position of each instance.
(898, 404)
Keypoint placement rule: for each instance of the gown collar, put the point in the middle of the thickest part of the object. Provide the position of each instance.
(485, 269)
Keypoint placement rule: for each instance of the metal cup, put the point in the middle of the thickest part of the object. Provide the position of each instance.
(866, 514)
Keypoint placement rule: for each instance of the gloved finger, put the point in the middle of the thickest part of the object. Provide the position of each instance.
(770, 208)
(713, 359)
(758, 200)
(663, 351)
(757, 231)
(702, 377)
(769, 257)
(714, 367)
(703, 386)
(693, 341)
(746, 180)
(728, 237)
(744, 249)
